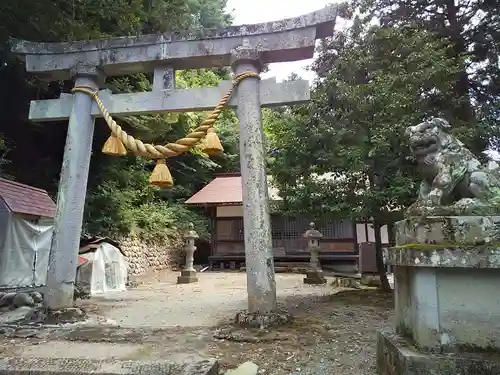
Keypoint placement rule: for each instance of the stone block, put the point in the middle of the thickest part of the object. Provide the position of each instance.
(449, 230)
(84, 366)
(247, 368)
(447, 308)
(370, 280)
(262, 320)
(446, 291)
(396, 356)
(345, 282)
(187, 277)
(314, 278)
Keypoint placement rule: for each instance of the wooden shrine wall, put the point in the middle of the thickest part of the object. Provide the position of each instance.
(287, 234)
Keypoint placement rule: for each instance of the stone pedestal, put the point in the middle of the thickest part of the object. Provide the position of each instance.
(314, 278)
(447, 297)
(396, 356)
(187, 277)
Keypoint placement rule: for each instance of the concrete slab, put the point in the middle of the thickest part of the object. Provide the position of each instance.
(94, 350)
(396, 356)
(70, 366)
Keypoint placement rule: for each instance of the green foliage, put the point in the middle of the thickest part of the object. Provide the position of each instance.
(119, 198)
(88, 19)
(374, 82)
(122, 201)
(471, 29)
(125, 203)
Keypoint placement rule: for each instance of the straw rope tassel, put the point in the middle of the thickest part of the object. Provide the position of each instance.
(114, 147)
(161, 176)
(120, 141)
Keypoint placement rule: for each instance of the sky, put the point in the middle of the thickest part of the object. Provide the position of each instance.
(257, 11)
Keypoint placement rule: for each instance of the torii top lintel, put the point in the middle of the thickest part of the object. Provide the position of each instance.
(278, 41)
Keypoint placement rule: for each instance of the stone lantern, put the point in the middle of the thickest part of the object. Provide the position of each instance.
(315, 273)
(188, 274)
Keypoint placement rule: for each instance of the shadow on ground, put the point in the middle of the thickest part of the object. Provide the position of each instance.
(368, 298)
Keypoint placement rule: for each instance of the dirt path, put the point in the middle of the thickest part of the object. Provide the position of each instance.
(216, 298)
(333, 331)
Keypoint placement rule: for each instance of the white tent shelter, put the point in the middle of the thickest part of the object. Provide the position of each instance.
(26, 224)
(105, 270)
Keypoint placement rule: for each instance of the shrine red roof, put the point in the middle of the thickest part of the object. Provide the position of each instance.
(25, 199)
(225, 190)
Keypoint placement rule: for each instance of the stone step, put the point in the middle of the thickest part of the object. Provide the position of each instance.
(85, 366)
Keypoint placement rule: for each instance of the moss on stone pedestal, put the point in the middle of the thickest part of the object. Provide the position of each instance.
(445, 231)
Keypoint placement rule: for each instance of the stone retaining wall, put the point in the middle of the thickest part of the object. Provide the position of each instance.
(143, 257)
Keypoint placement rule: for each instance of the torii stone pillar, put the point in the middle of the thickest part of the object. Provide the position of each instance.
(245, 47)
(259, 260)
(71, 195)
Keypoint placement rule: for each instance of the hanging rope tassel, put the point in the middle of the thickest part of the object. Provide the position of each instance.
(161, 176)
(212, 145)
(114, 147)
(120, 141)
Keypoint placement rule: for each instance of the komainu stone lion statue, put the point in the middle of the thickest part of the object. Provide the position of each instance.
(453, 179)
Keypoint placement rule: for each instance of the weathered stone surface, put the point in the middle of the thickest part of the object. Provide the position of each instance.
(447, 241)
(448, 309)
(37, 297)
(284, 40)
(449, 230)
(23, 299)
(454, 182)
(197, 99)
(187, 277)
(82, 366)
(314, 278)
(247, 368)
(67, 315)
(346, 282)
(395, 356)
(261, 285)
(19, 314)
(7, 299)
(143, 257)
(262, 320)
(455, 257)
(71, 194)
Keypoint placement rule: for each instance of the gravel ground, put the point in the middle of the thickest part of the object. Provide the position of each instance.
(333, 331)
(331, 334)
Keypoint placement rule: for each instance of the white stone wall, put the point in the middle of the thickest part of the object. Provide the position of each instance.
(143, 257)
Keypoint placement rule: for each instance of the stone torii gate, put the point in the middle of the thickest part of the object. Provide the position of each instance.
(245, 48)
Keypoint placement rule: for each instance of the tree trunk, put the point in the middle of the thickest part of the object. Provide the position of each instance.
(380, 259)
